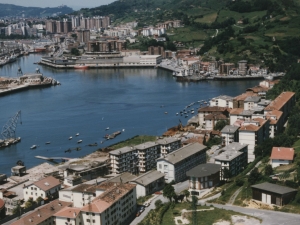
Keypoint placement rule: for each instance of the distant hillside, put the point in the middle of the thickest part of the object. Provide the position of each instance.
(14, 10)
(264, 32)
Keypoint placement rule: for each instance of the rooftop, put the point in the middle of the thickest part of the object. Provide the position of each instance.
(252, 99)
(122, 178)
(183, 153)
(47, 183)
(123, 150)
(42, 213)
(212, 109)
(280, 101)
(229, 129)
(146, 145)
(278, 189)
(204, 170)
(282, 153)
(148, 178)
(236, 111)
(223, 97)
(68, 212)
(167, 140)
(215, 116)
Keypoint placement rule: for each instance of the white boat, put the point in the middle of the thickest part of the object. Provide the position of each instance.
(79, 141)
(48, 142)
(70, 138)
(33, 147)
(123, 130)
(174, 73)
(77, 134)
(107, 128)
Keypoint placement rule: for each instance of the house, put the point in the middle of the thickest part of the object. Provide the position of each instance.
(203, 176)
(212, 119)
(281, 156)
(175, 165)
(68, 215)
(251, 102)
(230, 133)
(148, 183)
(202, 112)
(222, 101)
(46, 188)
(253, 132)
(233, 157)
(259, 90)
(238, 101)
(273, 194)
(44, 214)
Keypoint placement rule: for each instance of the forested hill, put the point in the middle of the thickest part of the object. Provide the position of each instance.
(15, 10)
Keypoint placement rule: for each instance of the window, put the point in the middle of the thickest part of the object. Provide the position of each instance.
(165, 167)
(87, 220)
(159, 165)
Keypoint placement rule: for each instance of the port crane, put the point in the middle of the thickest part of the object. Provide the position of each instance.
(9, 129)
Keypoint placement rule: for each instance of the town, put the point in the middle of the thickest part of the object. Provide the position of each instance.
(235, 161)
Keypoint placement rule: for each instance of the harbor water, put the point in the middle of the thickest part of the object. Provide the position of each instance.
(89, 101)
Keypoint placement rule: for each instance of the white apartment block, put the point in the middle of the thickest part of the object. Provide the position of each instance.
(230, 133)
(177, 163)
(252, 133)
(141, 158)
(234, 158)
(45, 188)
(151, 60)
(222, 101)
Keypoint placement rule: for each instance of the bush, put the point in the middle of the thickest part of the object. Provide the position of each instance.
(239, 182)
(291, 184)
(158, 203)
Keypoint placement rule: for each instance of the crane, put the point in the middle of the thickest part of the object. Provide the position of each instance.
(9, 129)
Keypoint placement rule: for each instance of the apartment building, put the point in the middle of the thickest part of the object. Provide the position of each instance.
(45, 188)
(202, 112)
(175, 165)
(276, 122)
(284, 103)
(253, 132)
(203, 176)
(141, 158)
(233, 157)
(222, 101)
(251, 102)
(212, 119)
(238, 101)
(230, 133)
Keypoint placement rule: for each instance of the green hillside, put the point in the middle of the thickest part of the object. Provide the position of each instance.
(14, 10)
(261, 31)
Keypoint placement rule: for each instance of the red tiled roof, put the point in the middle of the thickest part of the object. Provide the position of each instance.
(47, 183)
(68, 212)
(216, 116)
(282, 153)
(2, 203)
(249, 127)
(244, 96)
(42, 213)
(213, 109)
(236, 111)
(280, 101)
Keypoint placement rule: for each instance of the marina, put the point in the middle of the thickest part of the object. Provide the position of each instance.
(89, 101)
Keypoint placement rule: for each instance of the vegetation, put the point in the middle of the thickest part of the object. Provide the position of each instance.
(141, 200)
(220, 125)
(169, 192)
(136, 140)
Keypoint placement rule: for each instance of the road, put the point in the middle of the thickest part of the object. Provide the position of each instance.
(268, 217)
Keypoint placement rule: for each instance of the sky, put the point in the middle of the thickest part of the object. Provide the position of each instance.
(75, 4)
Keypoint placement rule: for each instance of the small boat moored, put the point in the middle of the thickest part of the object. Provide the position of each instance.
(70, 138)
(77, 134)
(33, 147)
(48, 142)
(82, 67)
(79, 141)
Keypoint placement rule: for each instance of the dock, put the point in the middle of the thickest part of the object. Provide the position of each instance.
(52, 158)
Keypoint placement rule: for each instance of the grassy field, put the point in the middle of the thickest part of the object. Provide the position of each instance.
(134, 141)
(225, 14)
(209, 18)
(203, 217)
(187, 34)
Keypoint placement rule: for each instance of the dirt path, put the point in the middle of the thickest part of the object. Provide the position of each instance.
(233, 197)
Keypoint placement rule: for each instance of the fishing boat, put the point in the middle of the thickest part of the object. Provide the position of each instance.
(107, 128)
(82, 67)
(77, 134)
(33, 147)
(70, 138)
(79, 141)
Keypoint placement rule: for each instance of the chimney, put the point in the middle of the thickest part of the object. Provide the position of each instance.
(279, 149)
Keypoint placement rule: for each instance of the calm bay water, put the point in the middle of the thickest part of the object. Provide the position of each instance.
(89, 101)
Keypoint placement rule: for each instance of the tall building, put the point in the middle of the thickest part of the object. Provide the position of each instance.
(67, 26)
(59, 27)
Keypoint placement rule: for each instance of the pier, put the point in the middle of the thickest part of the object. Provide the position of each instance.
(52, 158)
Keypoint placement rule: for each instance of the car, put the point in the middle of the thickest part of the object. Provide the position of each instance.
(138, 214)
(147, 204)
(142, 209)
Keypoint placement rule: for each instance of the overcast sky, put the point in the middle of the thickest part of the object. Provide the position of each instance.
(75, 4)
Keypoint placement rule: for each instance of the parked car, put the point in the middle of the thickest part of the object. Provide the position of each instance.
(142, 209)
(138, 214)
(147, 204)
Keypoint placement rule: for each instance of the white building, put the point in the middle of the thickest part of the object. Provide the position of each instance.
(202, 112)
(222, 101)
(233, 158)
(176, 164)
(151, 60)
(230, 134)
(251, 102)
(45, 188)
(281, 156)
(252, 133)
(149, 183)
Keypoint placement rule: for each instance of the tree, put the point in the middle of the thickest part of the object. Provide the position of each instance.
(254, 176)
(268, 170)
(39, 200)
(226, 173)
(186, 194)
(75, 51)
(158, 203)
(220, 125)
(169, 192)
